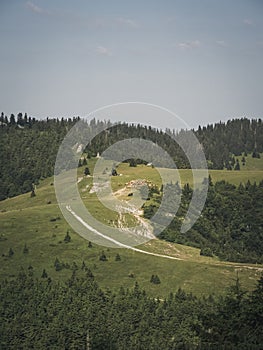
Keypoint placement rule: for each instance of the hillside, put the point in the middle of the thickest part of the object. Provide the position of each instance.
(37, 223)
(59, 290)
(28, 147)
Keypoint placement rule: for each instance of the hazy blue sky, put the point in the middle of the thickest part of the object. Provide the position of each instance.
(201, 59)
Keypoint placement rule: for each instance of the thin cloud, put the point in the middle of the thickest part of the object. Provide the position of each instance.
(128, 22)
(248, 22)
(34, 8)
(221, 43)
(189, 45)
(104, 51)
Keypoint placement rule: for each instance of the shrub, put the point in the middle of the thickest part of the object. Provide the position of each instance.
(155, 279)
(103, 256)
(206, 251)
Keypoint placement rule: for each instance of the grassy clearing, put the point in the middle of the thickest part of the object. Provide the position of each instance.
(45, 241)
(28, 220)
(236, 177)
(252, 164)
(45, 190)
(186, 176)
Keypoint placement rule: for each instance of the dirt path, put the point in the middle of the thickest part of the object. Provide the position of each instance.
(121, 245)
(145, 229)
(80, 179)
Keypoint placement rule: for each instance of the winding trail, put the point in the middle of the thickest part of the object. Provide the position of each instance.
(121, 245)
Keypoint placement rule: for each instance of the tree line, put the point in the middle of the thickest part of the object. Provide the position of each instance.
(28, 146)
(28, 149)
(40, 313)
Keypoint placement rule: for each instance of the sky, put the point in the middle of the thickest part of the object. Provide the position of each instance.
(203, 59)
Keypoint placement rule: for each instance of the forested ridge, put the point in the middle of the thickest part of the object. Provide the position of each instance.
(223, 140)
(230, 226)
(39, 313)
(28, 147)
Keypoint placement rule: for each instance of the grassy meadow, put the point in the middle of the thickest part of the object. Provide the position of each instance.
(38, 223)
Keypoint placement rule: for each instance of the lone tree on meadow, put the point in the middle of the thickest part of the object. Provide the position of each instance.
(67, 238)
(117, 257)
(57, 264)
(103, 256)
(25, 250)
(155, 279)
(44, 274)
(10, 253)
(86, 171)
(114, 172)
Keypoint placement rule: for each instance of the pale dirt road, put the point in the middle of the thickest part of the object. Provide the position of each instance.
(121, 245)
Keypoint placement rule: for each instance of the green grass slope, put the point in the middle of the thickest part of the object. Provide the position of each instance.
(38, 223)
